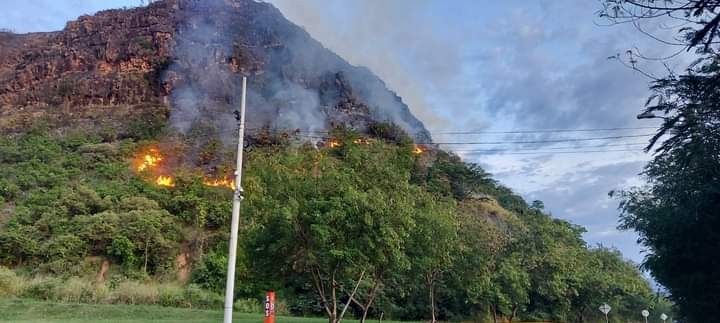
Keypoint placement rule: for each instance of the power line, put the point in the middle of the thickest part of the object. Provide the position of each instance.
(534, 141)
(463, 142)
(497, 152)
(454, 132)
(557, 148)
(296, 133)
(535, 131)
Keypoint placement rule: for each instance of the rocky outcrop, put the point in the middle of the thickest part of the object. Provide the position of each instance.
(189, 55)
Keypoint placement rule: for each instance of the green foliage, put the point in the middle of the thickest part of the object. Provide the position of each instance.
(124, 249)
(676, 214)
(428, 234)
(9, 282)
(248, 305)
(211, 271)
(325, 214)
(71, 194)
(24, 310)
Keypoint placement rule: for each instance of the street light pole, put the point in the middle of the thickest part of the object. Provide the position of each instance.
(235, 220)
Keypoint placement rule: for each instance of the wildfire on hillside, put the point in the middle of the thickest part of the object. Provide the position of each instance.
(165, 181)
(220, 182)
(417, 150)
(149, 161)
(333, 143)
(362, 141)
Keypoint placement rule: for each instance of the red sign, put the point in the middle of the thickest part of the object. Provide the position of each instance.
(270, 307)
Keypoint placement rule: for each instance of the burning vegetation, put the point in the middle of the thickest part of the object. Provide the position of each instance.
(152, 163)
(223, 182)
(165, 181)
(149, 159)
(156, 166)
(334, 143)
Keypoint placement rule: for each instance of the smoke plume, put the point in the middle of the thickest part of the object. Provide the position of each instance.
(294, 82)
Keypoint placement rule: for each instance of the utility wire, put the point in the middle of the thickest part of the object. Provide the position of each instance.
(556, 148)
(534, 141)
(469, 132)
(495, 152)
(463, 142)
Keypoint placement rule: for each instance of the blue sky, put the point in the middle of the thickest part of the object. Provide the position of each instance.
(479, 65)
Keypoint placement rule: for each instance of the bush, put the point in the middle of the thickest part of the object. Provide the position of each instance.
(42, 288)
(281, 308)
(132, 292)
(248, 305)
(75, 290)
(210, 273)
(10, 283)
(198, 297)
(172, 295)
(100, 293)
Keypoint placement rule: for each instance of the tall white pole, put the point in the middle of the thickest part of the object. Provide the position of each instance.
(234, 222)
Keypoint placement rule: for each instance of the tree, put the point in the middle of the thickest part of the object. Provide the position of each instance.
(676, 214)
(700, 19)
(332, 221)
(433, 245)
(604, 277)
(486, 269)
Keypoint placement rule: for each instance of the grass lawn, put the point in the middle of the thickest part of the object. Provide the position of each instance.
(22, 310)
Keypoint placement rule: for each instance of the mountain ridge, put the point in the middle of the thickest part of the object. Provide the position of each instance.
(189, 55)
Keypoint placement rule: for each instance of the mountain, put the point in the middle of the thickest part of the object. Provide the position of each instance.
(185, 59)
(100, 203)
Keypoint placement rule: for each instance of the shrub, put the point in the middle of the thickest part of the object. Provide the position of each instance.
(100, 293)
(281, 308)
(210, 273)
(172, 295)
(248, 305)
(124, 249)
(132, 292)
(198, 297)
(10, 283)
(75, 290)
(42, 288)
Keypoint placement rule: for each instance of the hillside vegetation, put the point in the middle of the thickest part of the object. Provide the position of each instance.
(409, 235)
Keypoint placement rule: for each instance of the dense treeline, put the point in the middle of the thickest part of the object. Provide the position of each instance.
(675, 213)
(362, 229)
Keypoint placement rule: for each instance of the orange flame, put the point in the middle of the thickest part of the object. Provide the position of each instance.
(418, 150)
(149, 160)
(334, 143)
(165, 181)
(223, 182)
(362, 141)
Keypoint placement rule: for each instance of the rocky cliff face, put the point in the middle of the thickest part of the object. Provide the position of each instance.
(189, 55)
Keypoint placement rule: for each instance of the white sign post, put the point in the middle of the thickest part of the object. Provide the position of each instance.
(663, 317)
(605, 309)
(645, 314)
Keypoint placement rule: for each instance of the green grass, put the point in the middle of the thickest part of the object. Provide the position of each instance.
(22, 310)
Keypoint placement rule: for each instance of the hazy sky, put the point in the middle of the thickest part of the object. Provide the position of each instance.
(467, 65)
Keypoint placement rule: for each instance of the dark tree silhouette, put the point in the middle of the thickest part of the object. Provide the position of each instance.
(698, 20)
